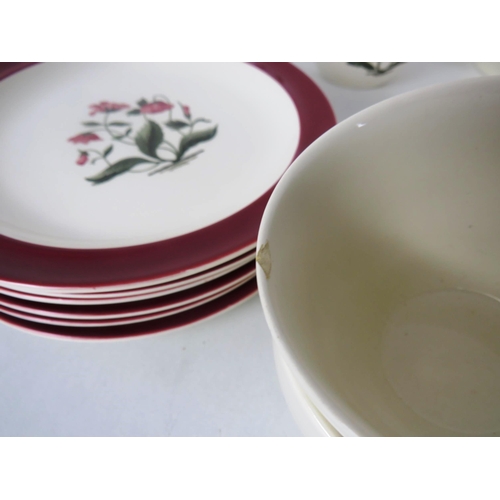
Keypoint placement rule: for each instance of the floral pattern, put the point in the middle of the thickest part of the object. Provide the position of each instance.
(83, 158)
(163, 142)
(156, 107)
(84, 138)
(375, 69)
(106, 107)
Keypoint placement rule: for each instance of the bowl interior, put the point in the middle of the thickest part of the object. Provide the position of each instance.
(385, 248)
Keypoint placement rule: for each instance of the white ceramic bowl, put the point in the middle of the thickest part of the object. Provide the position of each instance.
(380, 265)
(307, 417)
(489, 68)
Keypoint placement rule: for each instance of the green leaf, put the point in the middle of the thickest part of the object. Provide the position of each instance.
(198, 120)
(191, 140)
(120, 124)
(91, 124)
(186, 115)
(134, 112)
(142, 102)
(149, 138)
(176, 124)
(108, 151)
(116, 169)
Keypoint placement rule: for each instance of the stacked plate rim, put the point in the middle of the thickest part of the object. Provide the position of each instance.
(90, 251)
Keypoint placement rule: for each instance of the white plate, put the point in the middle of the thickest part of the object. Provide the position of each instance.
(85, 206)
(250, 132)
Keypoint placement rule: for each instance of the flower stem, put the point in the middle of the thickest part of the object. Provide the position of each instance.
(113, 136)
(381, 71)
(101, 156)
(174, 149)
(147, 169)
(176, 163)
(166, 149)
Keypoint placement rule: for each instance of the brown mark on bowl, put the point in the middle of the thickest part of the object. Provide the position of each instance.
(264, 259)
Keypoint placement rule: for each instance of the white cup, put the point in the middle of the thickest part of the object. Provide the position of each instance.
(358, 74)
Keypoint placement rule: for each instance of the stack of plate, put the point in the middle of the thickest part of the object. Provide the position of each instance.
(131, 194)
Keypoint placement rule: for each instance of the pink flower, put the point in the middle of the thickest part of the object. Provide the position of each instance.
(83, 158)
(156, 107)
(186, 111)
(106, 107)
(84, 138)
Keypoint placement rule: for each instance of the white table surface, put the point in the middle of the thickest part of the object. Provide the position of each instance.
(215, 378)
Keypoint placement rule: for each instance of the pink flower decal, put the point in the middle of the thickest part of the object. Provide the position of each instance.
(83, 158)
(106, 107)
(186, 111)
(84, 138)
(156, 107)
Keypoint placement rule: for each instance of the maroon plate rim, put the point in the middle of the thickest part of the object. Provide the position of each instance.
(160, 325)
(37, 265)
(123, 309)
(120, 321)
(130, 294)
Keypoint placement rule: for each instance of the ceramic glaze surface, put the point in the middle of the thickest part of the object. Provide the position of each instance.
(392, 215)
(441, 354)
(489, 68)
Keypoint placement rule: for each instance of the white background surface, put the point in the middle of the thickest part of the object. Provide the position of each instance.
(215, 378)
